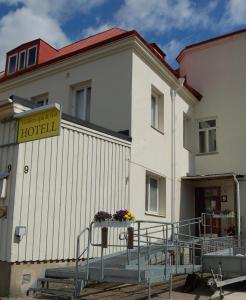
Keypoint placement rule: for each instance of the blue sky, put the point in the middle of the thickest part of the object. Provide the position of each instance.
(172, 24)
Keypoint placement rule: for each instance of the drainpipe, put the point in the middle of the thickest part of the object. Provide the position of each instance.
(173, 94)
(238, 207)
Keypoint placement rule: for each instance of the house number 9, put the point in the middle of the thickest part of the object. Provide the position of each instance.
(26, 169)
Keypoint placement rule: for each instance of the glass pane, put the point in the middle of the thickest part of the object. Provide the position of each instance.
(153, 195)
(207, 124)
(212, 140)
(153, 111)
(32, 56)
(12, 64)
(147, 194)
(80, 105)
(88, 104)
(202, 141)
(22, 60)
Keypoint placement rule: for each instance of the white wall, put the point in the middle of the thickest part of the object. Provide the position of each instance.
(151, 150)
(70, 178)
(110, 77)
(8, 157)
(218, 72)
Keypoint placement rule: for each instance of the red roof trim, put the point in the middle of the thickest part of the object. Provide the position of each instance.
(97, 45)
(231, 34)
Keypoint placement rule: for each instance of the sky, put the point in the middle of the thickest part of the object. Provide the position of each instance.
(172, 24)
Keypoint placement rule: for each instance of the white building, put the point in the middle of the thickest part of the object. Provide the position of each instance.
(118, 81)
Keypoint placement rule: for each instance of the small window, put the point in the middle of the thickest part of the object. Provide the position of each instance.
(187, 140)
(207, 136)
(12, 64)
(155, 194)
(22, 60)
(82, 103)
(32, 54)
(41, 99)
(157, 110)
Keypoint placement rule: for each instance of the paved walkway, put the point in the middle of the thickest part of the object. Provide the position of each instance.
(159, 292)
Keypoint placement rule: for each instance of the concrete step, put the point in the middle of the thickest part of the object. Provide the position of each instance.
(55, 280)
(52, 292)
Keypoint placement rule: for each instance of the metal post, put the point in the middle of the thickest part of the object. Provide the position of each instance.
(211, 226)
(171, 277)
(149, 279)
(88, 256)
(166, 250)
(193, 254)
(139, 274)
(102, 265)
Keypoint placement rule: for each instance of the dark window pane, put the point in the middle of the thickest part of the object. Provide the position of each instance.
(12, 64)
(22, 56)
(153, 201)
(32, 56)
(207, 124)
(212, 140)
(202, 142)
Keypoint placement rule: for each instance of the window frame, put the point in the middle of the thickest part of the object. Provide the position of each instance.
(36, 54)
(156, 111)
(187, 138)
(76, 88)
(158, 97)
(19, 55)
(147, 209)
(206, 130)
(16, 64)
(41, 97)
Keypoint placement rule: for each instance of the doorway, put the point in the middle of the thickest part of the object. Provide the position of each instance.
(208, 200)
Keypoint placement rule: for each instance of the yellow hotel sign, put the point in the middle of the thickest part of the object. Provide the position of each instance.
(39, 123)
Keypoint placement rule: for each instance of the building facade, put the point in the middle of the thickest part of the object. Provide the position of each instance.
(175, 146)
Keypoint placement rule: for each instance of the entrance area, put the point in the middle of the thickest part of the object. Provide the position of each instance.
(214, 198)
(208, 203)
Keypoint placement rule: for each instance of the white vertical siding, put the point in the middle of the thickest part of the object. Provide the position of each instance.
(70, 178)
(8, 157)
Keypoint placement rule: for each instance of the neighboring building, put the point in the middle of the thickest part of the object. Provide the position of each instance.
(123, 84)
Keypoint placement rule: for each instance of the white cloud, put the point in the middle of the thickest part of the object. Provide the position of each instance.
(160, 15)
(93, 30)
(172, 49)
(235, 13)
(31, 19)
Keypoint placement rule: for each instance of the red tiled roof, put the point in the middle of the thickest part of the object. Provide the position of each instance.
(228, 35)
(90, 41)
(48, 55)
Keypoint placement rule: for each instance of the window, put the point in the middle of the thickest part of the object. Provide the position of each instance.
(41, 99)
(155, 194)
(157, 111)
(82, 103)
(187, 140)
(32, 53)
(12, 64)
(207, 136)
(22, 60)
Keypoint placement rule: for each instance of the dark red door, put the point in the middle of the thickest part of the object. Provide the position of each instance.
(208, 201)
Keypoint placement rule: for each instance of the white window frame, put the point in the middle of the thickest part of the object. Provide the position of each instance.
(187, 136)
(156, 111)
(148, 195)
(23, 51)
(27, 58)
(39, 98)
(75, 89)
(9, 58)
(206, 130)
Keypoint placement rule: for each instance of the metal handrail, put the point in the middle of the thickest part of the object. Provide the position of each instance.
(79, 254)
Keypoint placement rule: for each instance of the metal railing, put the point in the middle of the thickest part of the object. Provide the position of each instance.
(79, 256)
(155, 242)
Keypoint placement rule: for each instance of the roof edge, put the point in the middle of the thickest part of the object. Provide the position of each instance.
(220, 37)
